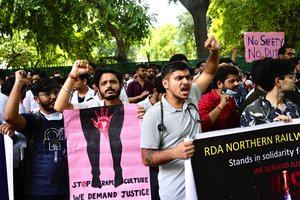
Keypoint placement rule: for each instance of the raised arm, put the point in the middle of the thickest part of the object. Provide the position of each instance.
(11, 111)
(211, 65)
(233, 55)
(62, 102)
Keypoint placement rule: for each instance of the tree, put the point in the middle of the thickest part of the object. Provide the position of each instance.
(198, 10)
(168, 40)
(162, 44)
(126, 21)
(232, 18)
(14, 52)
(185, 37)
(75, 27)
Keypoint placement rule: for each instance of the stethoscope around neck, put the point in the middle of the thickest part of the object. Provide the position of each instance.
(161, 127)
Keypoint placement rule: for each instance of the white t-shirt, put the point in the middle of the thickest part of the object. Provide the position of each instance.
(90, 93)
(3, 99)
(30, 104)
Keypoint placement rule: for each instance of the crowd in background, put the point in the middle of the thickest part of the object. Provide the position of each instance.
(269, 92)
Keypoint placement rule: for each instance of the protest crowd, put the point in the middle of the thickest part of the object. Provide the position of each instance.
(174, 102)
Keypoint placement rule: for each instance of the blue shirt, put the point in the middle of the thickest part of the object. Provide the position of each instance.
(261, 111)
(47, 173)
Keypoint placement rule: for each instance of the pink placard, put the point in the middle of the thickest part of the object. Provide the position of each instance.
(262, 44)
(136, 179)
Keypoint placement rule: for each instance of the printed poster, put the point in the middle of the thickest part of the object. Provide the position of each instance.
(104, 154)
(256, 163)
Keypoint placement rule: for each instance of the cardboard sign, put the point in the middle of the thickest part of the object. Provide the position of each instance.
(262, 44)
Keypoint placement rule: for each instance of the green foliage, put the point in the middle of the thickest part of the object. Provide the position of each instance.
(65, 30)
(185, 38)
(15, 52)
(232, 18)
(162, 43)
(169, 39)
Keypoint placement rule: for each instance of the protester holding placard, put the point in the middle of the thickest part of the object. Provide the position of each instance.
(109, 83)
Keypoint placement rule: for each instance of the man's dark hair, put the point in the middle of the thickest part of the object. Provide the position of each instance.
(100, 71)
(256, 70)
(154, 66)
(39, 72)
(44, 85)
(247, 75)
(271, 69)
(225, 60)
(60, 81)
(178, 57)
(56, 72)
(198, 64)
(158, 85)
(174, 66)
(140, 65)
(295, 60)
(93, 65)
(281, 50)
(8, 85)
(85, 76)
(2, 74)
(151, 66)
(222, 74)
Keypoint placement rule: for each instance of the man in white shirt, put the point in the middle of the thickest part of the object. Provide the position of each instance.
(82, 92)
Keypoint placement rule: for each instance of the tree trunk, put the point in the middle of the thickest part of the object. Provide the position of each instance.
(121, 54)
(198, 10)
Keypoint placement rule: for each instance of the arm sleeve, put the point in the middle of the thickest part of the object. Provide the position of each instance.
(129, 90)
(150, 136)
(205, 106)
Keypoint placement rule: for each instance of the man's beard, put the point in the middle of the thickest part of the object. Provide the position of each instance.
(111, 97)
(46, 107)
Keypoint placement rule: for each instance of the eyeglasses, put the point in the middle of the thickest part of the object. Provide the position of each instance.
(54, 92)
(290, 53)
(291, 76)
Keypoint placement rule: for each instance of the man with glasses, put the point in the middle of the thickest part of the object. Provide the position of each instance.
(46, 168)
(286, 52)
(279, 77)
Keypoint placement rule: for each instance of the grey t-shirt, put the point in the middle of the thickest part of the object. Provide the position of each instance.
(179, 124)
